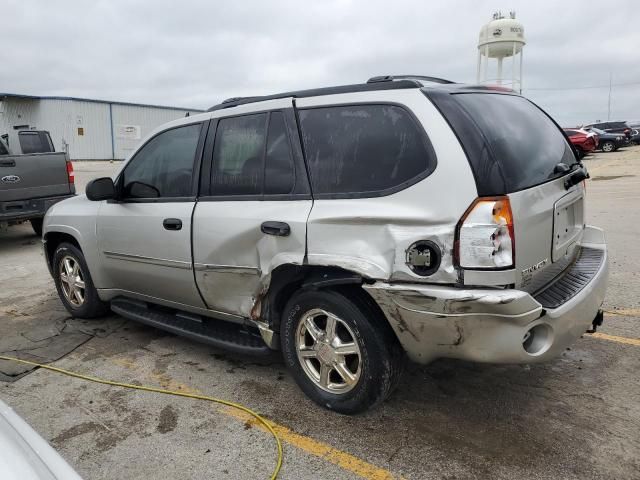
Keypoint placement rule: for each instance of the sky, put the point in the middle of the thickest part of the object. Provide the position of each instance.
(196, 53)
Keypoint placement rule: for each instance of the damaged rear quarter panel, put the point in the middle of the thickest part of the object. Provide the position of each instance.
(370, 236)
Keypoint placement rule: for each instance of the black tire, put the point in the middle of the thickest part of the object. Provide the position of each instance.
(36, 224)
(608, 146)
(382, 358)
(580, 153)
(91, 306)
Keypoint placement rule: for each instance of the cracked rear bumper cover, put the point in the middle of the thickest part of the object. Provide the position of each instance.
(487, 325)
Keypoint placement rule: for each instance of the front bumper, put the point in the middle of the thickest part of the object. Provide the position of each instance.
(490, 325)
(19, 210)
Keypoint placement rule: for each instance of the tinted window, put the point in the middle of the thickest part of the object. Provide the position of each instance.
(279, 171)
(524, 144)
(363, 148)
(164, 166)
(35, 142)
(571, 133)
(3, 149)
(238, 155)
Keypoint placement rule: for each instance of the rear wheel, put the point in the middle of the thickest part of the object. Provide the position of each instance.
(74, 284)
(340, 350)
(36, 224)
(608, 146)
(580, 152)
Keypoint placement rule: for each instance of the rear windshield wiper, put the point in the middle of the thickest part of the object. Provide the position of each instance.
(576, 171)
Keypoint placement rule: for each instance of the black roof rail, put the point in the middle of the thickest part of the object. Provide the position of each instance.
(316, 92)
(391, 78)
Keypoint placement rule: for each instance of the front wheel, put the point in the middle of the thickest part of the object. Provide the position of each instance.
(74, 284)
(340, 350)
(608, 147)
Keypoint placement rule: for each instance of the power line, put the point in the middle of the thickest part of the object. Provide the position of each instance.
(586, 87)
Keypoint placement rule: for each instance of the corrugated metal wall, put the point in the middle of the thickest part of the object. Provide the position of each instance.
(91, 130)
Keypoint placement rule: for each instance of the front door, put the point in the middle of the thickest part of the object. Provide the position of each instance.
(145, 237)
(253, 215)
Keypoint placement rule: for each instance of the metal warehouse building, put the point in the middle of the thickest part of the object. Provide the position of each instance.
(87, 129)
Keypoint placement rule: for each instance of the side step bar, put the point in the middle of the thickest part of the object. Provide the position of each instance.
(217, 333)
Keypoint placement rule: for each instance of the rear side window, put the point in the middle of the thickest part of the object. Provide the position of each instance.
(252, 156)
(364, 150)
(3, 149)
(519, 145)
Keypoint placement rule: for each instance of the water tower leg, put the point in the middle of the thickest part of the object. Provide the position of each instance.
(486, 63)
(513, 67)
(499, 82)
(521, 55)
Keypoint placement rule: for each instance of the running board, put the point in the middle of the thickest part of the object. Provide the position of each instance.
(217, 333)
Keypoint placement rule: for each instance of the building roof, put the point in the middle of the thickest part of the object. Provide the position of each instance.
(78, 99)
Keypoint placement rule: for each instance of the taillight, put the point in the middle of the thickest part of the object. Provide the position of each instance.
(485, 236)
(70, 174)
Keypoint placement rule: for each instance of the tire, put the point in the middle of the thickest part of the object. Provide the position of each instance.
(608, 147)
(36, 224)
(376, 367)
(69, 262)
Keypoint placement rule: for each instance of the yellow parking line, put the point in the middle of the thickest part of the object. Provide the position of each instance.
(322, 450)
(615, 338)
(625, 312)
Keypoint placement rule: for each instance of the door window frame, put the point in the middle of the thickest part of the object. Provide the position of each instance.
(197, 165)
(301, 189)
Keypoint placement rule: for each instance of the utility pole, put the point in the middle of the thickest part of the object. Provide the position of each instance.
(609, 103)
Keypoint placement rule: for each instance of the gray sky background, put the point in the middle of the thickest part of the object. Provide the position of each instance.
(195, 54)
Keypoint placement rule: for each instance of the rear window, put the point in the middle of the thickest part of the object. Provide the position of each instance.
(364, 150)
(35, 142)
(519, 145)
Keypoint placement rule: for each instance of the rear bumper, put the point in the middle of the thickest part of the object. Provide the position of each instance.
(490, 325)
(26, 209)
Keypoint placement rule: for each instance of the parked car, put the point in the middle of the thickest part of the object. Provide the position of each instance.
(635, 136)
(611, 127)
(346, 226)
(25, 455)
(609, 142)
(584, 142)
(32, 177)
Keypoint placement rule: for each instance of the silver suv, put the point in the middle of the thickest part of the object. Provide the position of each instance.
(349, 227)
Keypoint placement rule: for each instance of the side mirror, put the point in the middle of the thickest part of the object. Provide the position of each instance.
(101, 189)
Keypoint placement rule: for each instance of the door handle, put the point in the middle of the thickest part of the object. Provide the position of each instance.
(279, 229)
(172, 224)
(7, 163)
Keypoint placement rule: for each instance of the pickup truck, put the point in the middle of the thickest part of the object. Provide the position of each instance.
(33, 176)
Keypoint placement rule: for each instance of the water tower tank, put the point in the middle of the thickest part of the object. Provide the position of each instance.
(499, 39)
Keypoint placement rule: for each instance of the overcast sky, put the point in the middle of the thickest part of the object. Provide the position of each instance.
(194, 54)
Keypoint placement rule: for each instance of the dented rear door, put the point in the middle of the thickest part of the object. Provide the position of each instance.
(252, 212)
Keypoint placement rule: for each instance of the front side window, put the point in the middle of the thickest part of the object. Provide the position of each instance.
(364, 149)
(163, 168)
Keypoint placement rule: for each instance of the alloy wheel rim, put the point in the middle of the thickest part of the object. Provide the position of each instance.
(607, 147)
(328, 351)
(72, 281)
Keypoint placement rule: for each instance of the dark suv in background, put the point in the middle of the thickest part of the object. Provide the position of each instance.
(612, 127)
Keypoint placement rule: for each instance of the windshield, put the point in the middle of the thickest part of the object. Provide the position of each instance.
(524, 144)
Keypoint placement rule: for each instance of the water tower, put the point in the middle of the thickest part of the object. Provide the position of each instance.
(499, 39)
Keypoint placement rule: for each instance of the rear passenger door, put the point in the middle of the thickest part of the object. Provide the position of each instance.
(253, 206)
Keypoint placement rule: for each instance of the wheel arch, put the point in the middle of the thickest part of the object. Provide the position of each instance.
(51, 241)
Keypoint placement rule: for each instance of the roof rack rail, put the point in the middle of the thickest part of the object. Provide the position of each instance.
(390, 78)
(315, 92)
(236, 99)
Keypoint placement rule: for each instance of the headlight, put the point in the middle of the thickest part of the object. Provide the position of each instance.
(485, 236)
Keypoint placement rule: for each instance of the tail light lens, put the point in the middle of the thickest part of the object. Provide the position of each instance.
(70, 174)
(484, 235)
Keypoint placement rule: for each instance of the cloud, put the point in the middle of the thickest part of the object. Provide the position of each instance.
(195, 54)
